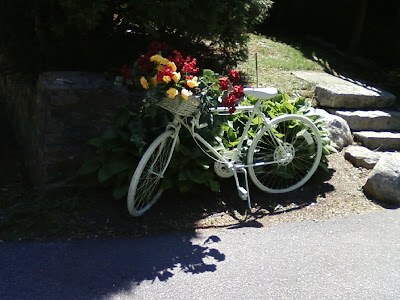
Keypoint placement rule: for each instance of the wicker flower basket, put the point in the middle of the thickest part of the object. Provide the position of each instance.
(180, 106)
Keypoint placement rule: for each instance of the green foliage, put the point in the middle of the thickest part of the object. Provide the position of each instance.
(65, 33)
(233, 126)
(119, 150)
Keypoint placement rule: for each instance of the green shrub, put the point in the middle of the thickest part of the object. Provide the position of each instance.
(119, 150)
(98, 34)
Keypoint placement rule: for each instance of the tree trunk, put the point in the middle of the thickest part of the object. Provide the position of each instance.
(358, 25)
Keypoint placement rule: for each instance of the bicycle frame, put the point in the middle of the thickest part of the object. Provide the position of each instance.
(234, 164)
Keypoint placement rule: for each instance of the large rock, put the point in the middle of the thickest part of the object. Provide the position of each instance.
(383, 183)
(335, 92)
(362, 157)
(337, 127)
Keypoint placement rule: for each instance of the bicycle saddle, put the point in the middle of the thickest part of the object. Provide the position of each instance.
(261, 93)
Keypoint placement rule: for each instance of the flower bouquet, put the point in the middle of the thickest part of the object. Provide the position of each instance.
(174, 82)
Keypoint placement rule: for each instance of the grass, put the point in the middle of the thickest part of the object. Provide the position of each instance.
(25, 215)
(277, 57)
(275, 61)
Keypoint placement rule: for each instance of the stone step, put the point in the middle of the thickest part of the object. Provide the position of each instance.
(341, 92)
(376, 120)
(381, 141)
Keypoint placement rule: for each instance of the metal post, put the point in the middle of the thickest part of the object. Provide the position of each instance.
(256, 70)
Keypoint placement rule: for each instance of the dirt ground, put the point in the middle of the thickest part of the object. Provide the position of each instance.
(326, 196)
(95, 214)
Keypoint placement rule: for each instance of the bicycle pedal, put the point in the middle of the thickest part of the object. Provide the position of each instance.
(243, 193)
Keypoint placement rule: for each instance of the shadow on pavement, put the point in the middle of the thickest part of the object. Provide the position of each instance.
(96, 269)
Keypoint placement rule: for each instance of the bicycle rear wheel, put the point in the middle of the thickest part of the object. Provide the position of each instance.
(293, 145)
(145, 188)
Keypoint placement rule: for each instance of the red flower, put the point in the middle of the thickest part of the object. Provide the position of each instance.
(230, 102)
(167, 71)
(144, 63)
(223, 83)
(234, 76)
(126, 72)
(237, 91)
(190, 66)
(177, 58)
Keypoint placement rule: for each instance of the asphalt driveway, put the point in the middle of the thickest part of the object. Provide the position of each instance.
(355, 257)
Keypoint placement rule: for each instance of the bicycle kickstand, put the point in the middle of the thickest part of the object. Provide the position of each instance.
(243, 192)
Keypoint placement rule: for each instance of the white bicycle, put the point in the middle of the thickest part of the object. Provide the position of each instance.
(284, 154)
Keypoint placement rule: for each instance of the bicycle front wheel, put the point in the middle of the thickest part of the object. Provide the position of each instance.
(145, 188)
(285, 156)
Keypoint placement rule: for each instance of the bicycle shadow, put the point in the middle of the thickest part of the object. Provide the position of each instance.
(101, 268)
(266, 204)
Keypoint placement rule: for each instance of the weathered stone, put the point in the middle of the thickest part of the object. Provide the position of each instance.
(56, 118)
(383, 183)
(338, 92)
(339, 131)
(377, 120)
(362, 157)
(378, 140)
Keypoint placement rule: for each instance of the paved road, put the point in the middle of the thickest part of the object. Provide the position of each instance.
(356, 257)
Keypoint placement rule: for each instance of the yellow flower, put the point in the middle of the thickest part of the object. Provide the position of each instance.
(144, 83)
(159, 59)
(172, 93)
(185, 94)
(176, 77)
(172, 65)
(154, 79)
(192, 82)
(166, 79)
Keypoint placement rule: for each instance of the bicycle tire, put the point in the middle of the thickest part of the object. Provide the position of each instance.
(145, 187)
(301, 142)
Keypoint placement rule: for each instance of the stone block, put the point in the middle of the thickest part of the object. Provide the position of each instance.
(377, 120)
(336, 92)
(378, 140)
(362, 157)
(56, 118)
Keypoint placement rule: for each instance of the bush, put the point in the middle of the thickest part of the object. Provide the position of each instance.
(97, 34)
(120, 149)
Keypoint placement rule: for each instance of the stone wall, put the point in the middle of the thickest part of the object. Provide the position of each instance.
(56, 116)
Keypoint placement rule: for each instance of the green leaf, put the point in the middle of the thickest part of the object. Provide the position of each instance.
(232, 135)
(118, 164)
(91, 165)
(120, 191)
(214, 185)
(257, 121)
(96, 142)
(104, 173)
(109, 134)
(122, 118)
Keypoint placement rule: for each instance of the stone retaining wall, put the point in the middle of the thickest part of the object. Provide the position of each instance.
(55, 117)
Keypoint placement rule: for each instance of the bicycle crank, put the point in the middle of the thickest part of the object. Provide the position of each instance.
(222, 170)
